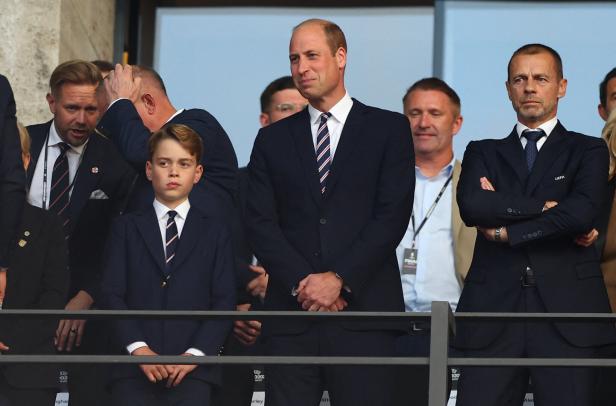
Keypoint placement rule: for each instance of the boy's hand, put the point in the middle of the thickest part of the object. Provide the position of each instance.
(178, 372)
(154, 372)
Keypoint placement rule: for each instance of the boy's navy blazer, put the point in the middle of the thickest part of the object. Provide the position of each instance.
(202, 278)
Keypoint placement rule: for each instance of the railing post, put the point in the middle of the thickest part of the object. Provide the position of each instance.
(439, 352)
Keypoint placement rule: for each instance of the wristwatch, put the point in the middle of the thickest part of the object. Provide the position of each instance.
(497, 233)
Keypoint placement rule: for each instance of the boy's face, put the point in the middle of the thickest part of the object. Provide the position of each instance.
(173, 172)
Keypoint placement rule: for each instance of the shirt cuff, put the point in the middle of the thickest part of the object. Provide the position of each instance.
(137, 344)
(112, 103)
(194, 351)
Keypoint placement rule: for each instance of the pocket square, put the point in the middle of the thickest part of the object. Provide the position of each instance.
(561, 177)
(98, 195)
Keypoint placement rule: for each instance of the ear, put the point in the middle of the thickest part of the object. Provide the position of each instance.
(457, 124)
(507, 86)
(52, 103)
(562, 88)
(149, 103)
(198, 173)
(602, 112)
(341, 57)
(264, 119)
(148, 170)
(25, 158)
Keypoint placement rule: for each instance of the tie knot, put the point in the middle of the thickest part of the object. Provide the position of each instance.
(325, 117)
(533, 135)
(172, 214)
(63, 147)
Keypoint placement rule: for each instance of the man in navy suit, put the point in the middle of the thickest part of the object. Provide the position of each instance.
(79, 175)
(12, 178)
(139, 105)
(533, 196)
(169, 257)
(331, 194)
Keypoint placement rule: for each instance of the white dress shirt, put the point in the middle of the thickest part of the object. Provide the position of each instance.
(38, 195)
(335, 124)
(162, 215)
(435, 278)
(547, 128)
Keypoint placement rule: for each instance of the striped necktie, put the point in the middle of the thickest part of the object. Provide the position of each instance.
(532, 136)
(324, 158)
(171, 240)
(59, 192)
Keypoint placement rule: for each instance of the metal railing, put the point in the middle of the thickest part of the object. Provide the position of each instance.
(442, 327)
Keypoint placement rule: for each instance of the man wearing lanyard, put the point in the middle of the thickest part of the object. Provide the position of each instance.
(436, 250)
(79, 175)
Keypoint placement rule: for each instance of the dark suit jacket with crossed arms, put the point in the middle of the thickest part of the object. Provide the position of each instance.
(570, 169)
(353, 230)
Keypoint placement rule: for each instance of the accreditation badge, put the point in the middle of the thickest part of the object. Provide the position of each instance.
(409, 261)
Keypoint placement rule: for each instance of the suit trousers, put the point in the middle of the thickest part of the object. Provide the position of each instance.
(302, 385)
(506, 386)
(237, 380)
(141, 392)
(13, 396)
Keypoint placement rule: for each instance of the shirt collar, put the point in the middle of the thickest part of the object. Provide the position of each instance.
(340, 111)
(161, 210)
(547, 127)
(446, 171)
(54, 139)
(174, 114)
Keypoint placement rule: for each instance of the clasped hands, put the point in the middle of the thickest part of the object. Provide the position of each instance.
(584, 240)
(174, 374)
(321, 292)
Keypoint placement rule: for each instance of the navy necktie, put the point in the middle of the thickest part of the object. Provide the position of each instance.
(532, 136)
(59, 191)
(171, 240)
(324, 158)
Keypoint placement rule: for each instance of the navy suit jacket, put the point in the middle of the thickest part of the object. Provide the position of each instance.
(202, 278)
(102, 168)
(215, 192)
(12, 174)
(38, 280)
(352, 230)
(570, 169)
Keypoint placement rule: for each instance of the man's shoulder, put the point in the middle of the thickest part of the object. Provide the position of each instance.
(36, 130)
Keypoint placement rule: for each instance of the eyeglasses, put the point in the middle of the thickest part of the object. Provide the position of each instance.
(289, 107)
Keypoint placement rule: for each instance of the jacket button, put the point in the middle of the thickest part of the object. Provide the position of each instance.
(323, 221)
(509, 210)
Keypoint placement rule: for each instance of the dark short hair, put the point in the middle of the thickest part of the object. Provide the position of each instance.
(103, 66)
(603, 86)
(76, 72)
(186, 136)
(333, 33)
(150, 73)
(438, 85)
(283, 83)
(534, 49)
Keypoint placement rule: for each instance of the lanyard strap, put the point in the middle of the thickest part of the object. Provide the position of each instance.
(430, 210)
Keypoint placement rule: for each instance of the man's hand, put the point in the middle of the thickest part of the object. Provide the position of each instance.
(319, 290)
(338, 306)
(258, 286)
(178, 372)
(588, 239)
(3, 347)
(120, 84)
(549, 205)
(486, 184)
(246, 331)
(490, 234)
(3, 272)
(154, 372)
(70, 332)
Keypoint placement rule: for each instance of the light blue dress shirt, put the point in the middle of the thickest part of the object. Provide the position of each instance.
(435, 278)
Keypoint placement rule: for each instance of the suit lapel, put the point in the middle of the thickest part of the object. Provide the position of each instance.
(190, 234)
(85, 181)
(456, 221)
(147, 224)
(38, 135)
(554, 145)
(512, 152)
(302, 136)
(348, 141)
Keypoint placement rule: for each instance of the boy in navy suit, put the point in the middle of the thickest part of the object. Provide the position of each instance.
(169, 257)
